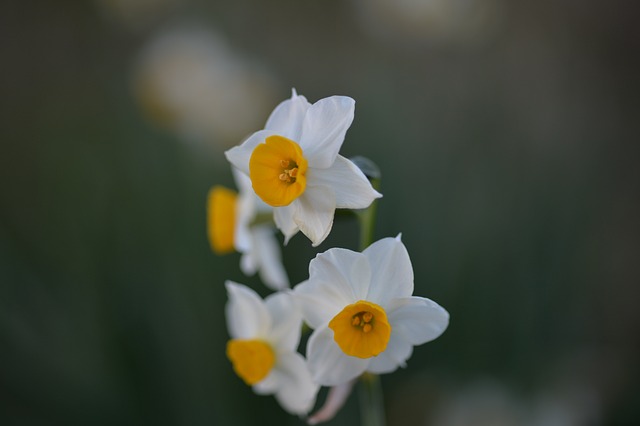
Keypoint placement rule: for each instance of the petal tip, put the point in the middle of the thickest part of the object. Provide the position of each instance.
(230, 285)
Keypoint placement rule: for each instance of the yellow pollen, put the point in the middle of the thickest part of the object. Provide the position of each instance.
(361, 329)
(252, 359)
(221, 219)
(277, 170)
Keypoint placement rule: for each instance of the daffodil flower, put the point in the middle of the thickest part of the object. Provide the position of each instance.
(295, 167)
(264, 339)
(231, 227)
(364, 316)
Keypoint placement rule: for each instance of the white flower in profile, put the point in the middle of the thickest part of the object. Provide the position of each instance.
(264, 339)
(295, 167)
(364, 316)
(230, 226)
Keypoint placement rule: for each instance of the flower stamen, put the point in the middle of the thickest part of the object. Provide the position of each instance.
(289, 171)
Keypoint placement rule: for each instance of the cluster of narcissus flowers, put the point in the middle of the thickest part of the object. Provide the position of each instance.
(359, 305)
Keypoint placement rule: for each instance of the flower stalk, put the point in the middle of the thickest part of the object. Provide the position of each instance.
(371, 399)
(367, 217)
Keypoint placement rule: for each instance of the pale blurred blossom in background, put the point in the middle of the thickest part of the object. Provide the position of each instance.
(190, 81)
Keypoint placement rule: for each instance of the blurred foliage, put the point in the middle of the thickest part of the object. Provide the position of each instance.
(508, 163)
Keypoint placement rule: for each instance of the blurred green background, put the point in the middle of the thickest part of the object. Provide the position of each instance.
(507, 137)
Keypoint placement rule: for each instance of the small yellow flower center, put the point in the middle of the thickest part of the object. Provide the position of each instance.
(361, 329)
(252, 359)
(221, 219)
(277, 170)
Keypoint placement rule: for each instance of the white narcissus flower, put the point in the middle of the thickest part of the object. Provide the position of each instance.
(295, 167)
(264, 339)
(364, 316)
(230, 227)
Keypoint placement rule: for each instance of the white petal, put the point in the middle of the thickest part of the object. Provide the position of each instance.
(328, 364)
(395, 355)
(240, 155)
(287, 118)
(342, 270)
(243, 182)
(296, 390)
(269, 258)
(283, 217)
(247, 316)
(245, 210)
(391, 271)
(418, 319)
(319, 304)
(337, 278)
(286, 322)
(269, 384)
(324, 128)
(314, 213)
(245, 214)
(353, 190)
(248, 263)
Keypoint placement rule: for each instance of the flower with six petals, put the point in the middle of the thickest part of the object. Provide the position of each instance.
(364, 316)
(295, 167)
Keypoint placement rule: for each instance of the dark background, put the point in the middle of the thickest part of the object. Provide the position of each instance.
(507, 137)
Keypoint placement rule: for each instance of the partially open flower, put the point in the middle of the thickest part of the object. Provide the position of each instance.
(295, 167)
(363, 313)
(264, 338)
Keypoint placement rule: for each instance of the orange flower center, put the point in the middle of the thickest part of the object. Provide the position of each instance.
(361, 329)
(277, 170)
(221, 219)
(252, 359)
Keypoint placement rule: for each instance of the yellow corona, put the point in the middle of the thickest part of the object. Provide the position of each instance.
(252, 359)
(278, 170)
(361, 329)
(221, 219)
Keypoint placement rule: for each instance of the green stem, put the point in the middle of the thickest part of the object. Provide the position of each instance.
(367, 219)
(371, 401)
